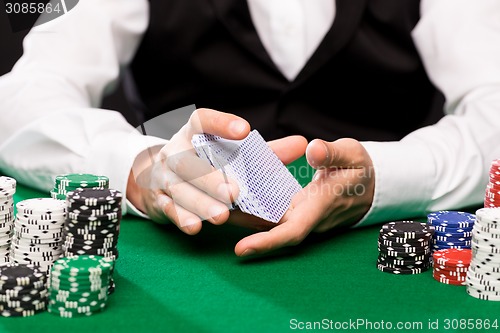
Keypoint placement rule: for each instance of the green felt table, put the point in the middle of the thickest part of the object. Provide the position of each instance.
(170, 282)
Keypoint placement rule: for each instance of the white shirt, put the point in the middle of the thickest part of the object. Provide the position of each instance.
(291, 30)
(50, 121)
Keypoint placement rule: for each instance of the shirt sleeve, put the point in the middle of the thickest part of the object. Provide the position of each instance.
(50, 121)
(446, 165)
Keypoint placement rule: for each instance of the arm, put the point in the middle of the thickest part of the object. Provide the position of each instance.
(50, 121)
(445, 166)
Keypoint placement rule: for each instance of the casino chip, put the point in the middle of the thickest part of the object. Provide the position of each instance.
(483, 276)
(38, 231)
(79, 285)
(92, 226)
(404, 247)
(70, 182)
(452, 229)
(23, 290)
(451, 265)
(492, 192)
(7, 191)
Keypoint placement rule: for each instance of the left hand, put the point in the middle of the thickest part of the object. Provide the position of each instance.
(340, 194)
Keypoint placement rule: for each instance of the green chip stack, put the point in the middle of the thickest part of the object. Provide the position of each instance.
(78, 285)
(70, 182)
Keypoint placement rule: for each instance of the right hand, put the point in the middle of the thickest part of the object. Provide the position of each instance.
(179, 186)
(182, 188)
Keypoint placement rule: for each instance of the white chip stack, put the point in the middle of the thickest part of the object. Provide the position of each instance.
(483, 276)
(37, 236)
(7, 191)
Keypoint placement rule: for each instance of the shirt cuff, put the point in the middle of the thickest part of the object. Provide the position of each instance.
(128, 147)
(403, 181)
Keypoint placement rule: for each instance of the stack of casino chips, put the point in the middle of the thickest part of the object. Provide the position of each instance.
(23, 290)
(38, 231)
(450, 266)
(70, 182)
(93, 222)
(483, 277)
(78, 285)
(7, 191)
(492, 193)
(404, 247)
(453, 229)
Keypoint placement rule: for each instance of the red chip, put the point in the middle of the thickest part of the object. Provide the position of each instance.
(439, 276)
(453, 269)
(449, 274)
(495, 163)
(452, 282)
(447, 257)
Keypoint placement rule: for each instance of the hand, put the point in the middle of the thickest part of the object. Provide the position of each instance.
(186, 190)
(340, 194)
(179, 186)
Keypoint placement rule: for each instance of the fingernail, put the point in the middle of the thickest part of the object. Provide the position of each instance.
(189, 222)
(327, 152)
(237, 126)
(248, 252)
(310, 160)
(215, 211)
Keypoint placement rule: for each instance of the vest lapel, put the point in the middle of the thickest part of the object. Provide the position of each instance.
(235, 16)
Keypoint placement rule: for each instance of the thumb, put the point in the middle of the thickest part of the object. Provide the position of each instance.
(342, 153)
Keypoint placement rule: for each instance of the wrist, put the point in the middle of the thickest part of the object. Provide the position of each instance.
(138, 179)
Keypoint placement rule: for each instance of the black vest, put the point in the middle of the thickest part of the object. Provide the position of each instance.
(365, 80)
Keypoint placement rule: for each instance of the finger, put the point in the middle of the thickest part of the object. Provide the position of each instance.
(196, 201)
(186, 195)
(289, 148)
(342, 153)
(202, 175)
(214, 122)
(166, 210)
(301, 221)
(292, 232)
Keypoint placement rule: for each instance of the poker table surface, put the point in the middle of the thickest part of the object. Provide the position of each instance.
(167, 281)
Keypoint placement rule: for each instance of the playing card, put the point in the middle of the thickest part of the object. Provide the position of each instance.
(266, 185)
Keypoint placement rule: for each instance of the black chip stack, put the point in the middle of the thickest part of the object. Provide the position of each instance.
(93, 223)
(404, 247)
(23, 290)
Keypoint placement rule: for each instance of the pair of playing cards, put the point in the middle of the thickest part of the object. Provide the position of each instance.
(266, 185)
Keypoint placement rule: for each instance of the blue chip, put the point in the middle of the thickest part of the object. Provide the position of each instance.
(453, 234)
(444, 229)
(451, 219)
(442, 247)
(440, 238)
(453, 243)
